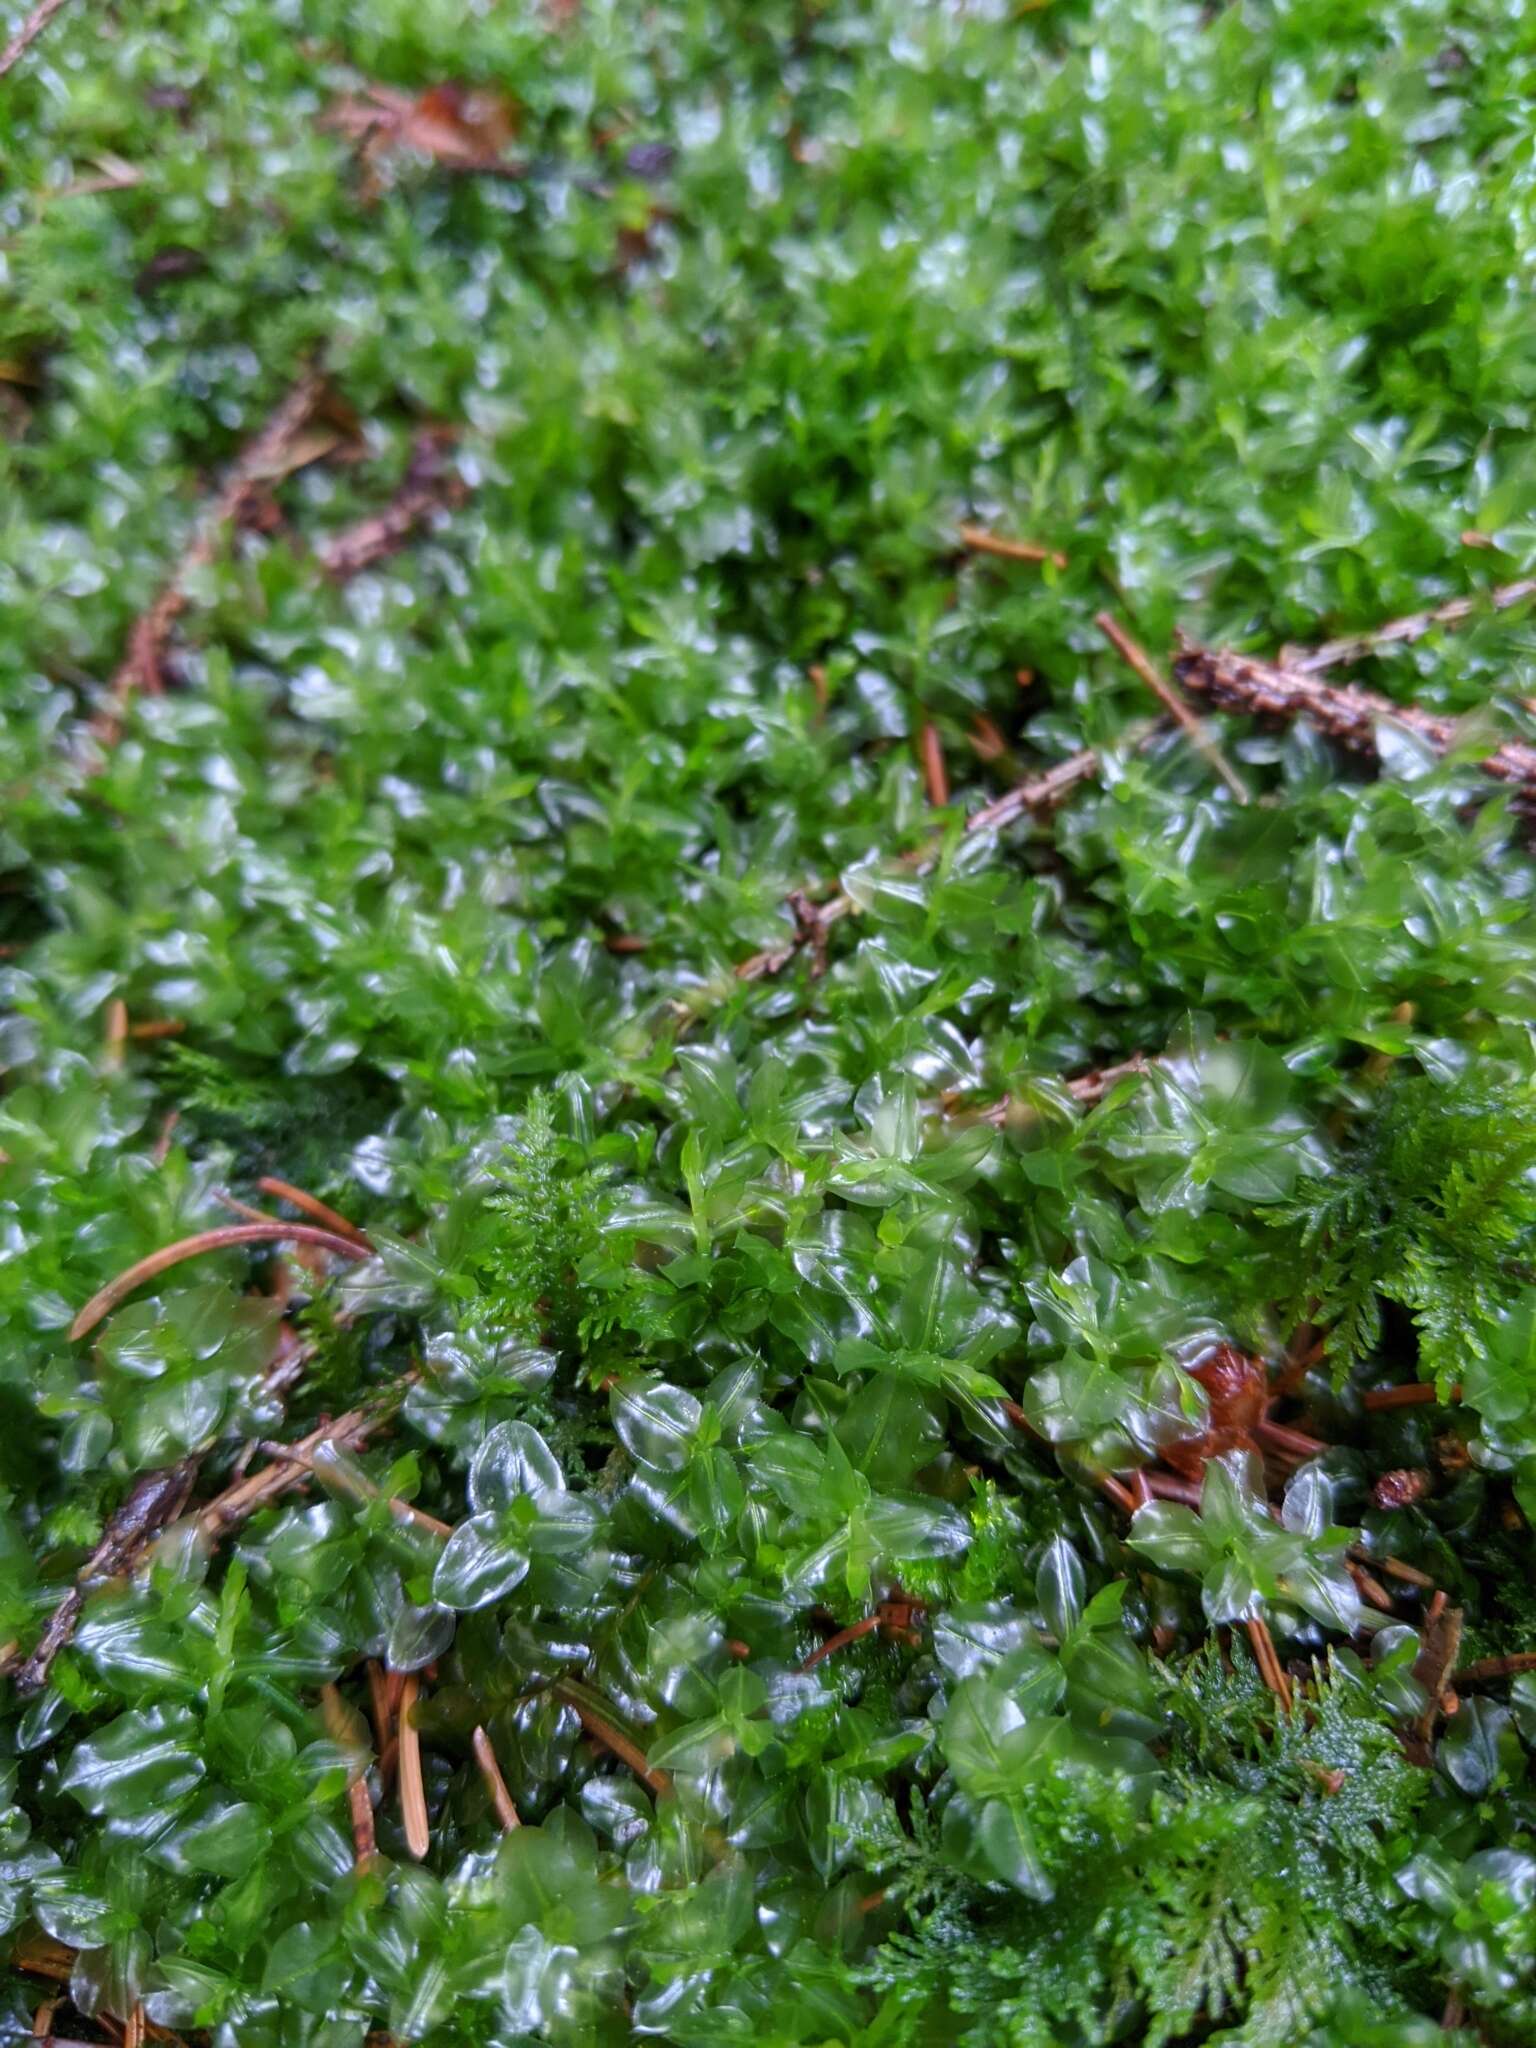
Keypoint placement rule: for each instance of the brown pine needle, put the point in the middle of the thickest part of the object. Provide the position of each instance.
(133, 2028)
(320, 1212)
(158, 1027)
(981, 542)
(413, 1795)
(495, 1783)
(28, 34)
(339, 1726)
(935, 775)
(102, 1303)
(616, 1741)
(1137, 659)
(1270, 1668)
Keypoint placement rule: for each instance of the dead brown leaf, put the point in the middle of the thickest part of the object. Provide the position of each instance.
(460, 127)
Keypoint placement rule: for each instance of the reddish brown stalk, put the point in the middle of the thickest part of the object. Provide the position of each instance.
(320, 1212)
(1163, 1486)
(42, 2019)
(236, 1207)
(981, 542)
(614, 1740)
(431, 485)
(103, 1302)
(142, 666)
(162, 1150)
(1141, 1491)
(1268, 1661)
(1135, 656)
(28, 34)
(1417, 1394)
(1434, 1667)
(935, 775)
(1345, 713)
(1488, 1669)
(841, 1640)
(1280, 1437)
(1399, 632)
(133, 2027)
(495, 1783)
(413, 1794)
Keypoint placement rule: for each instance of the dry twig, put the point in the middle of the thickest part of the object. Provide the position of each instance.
(141, 668)
(1342, 711)
(431, 485)
(28, 34)
(1399, 632)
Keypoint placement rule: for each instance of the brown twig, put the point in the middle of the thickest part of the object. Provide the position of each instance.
(141, 668)
(354, 1486)
(431, 485)
(151, 1505)
(318, 1211)
(981, 542)
(254, 1491)
(103, 1302)
(1399, 632)
(28, 34)
(495, 1783)
(1342, 711)
(413, 1794)
(1440, 1643)
(1135, 656)
(1486, 1670)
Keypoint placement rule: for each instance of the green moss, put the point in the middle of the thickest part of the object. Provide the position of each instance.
(702, 1306)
